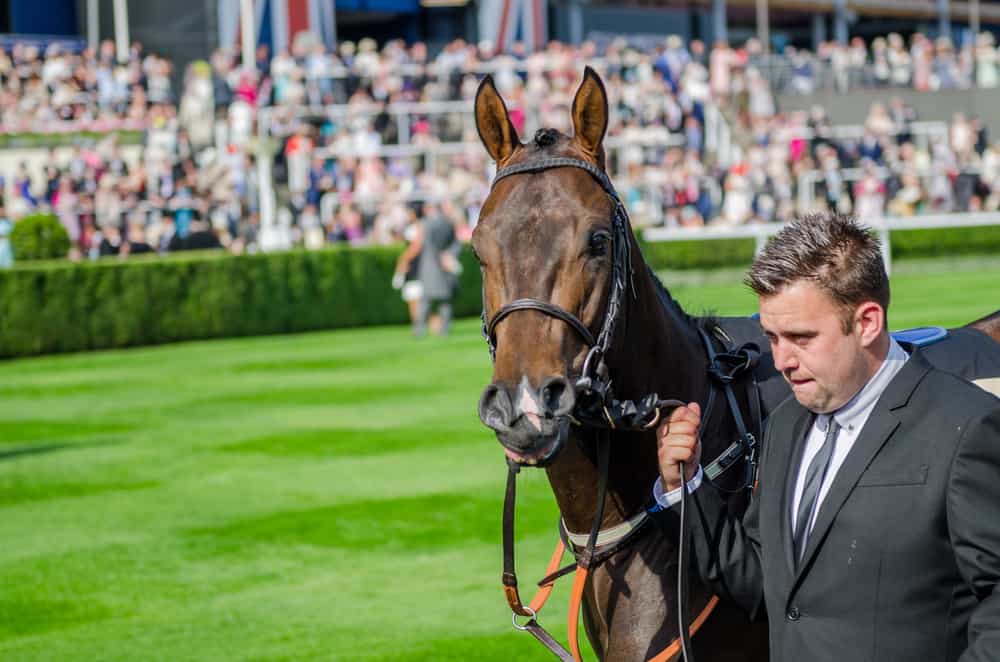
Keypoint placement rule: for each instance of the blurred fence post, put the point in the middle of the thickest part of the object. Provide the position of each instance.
(269, 235)
(93, 24)
(121, 30)
(719, 23)
(763, 26)
(944, 18)
(247, 36)
(840, 33)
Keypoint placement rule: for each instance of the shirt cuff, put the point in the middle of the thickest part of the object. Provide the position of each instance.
(666, 500)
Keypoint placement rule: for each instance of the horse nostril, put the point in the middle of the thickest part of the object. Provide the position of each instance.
(557, 396)
(495, 408)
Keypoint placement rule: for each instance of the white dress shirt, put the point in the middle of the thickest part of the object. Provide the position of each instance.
(851, 418)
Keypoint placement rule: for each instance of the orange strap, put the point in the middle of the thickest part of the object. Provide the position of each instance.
(543, 593)
(514, 597)
(674, 649)
(575, 597)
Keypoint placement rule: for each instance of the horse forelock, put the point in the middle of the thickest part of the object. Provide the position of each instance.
(546, 137)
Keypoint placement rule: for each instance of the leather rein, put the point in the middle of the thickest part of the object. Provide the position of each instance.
(596, 407)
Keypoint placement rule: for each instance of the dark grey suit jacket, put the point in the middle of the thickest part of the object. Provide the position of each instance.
(904, 560)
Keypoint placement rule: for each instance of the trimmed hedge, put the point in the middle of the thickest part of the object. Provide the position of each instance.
(695, 254)
(61, 306)
(937, 243)
(37, 140)
(716, 253)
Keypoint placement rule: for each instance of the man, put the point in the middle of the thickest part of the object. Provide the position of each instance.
(874, 533)
(437, 267)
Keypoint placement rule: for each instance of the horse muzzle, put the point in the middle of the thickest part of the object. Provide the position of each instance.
(531, 424)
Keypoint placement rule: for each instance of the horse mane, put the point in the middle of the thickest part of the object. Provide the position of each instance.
(693, 323)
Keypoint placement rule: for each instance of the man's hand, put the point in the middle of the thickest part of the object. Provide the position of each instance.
(677, 441)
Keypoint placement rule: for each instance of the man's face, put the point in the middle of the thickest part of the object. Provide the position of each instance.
(824, 366)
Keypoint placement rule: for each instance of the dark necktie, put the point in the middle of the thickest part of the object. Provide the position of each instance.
(810, 490)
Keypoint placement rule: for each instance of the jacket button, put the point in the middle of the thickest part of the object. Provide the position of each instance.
(793, 614)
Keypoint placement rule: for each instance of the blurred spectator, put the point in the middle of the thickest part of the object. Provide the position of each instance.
(6, 227)
(437, 268)
(407, 274)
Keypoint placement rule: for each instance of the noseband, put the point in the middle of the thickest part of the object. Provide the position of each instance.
(595, 404)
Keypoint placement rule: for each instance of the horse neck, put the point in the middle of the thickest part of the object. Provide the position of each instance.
(657, 352)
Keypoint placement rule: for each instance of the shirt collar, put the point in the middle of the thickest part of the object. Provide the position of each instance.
(857, 408)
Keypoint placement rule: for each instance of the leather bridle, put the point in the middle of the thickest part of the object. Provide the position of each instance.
(594, 397)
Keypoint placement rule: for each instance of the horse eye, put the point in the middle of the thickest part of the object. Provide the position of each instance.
(599, 244)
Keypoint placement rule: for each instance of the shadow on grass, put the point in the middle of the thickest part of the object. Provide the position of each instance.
(42, 449)
(56, 432)
(52, 447)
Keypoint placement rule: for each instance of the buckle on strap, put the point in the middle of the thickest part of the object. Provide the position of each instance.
(725, 367)
(745, 446)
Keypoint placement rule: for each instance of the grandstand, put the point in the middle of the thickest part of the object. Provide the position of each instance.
(273, 138)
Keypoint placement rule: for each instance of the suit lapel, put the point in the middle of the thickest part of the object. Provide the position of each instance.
(798, 433)
(882, 422)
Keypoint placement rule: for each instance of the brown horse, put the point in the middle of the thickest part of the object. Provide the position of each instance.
(548, 241)
(989, 325)
(550, 236)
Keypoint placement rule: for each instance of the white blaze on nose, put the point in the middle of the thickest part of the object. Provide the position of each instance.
(528, 404)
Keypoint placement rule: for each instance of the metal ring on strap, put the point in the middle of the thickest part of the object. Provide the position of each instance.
(513, 618)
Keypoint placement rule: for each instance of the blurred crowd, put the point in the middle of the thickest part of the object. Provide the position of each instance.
(922, 63)
(56, 90)
(800, 162)
(367, 141)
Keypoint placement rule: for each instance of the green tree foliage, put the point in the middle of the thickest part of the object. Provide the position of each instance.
(39, 237)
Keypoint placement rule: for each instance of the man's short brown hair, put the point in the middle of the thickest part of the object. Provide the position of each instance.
(832, 250)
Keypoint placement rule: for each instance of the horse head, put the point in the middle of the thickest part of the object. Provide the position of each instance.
(546, 240)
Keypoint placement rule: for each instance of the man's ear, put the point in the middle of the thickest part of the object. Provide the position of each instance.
(869, 320)
(493, 122)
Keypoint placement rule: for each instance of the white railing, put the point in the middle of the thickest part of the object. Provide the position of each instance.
(808, 180)
(922, 132)
(761, 232)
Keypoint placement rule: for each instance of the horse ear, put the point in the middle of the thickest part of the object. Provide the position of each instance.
(590, 112)
(493, 122)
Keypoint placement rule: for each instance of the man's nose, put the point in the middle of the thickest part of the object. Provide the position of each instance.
(784, 357)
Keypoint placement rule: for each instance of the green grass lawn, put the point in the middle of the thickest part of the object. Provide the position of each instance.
(323, 496)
